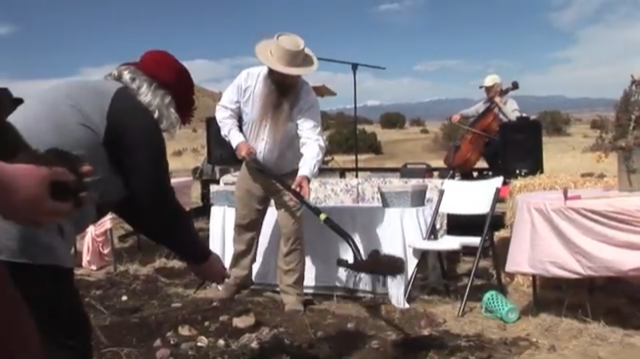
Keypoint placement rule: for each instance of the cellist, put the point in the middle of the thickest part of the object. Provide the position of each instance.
(507, 109)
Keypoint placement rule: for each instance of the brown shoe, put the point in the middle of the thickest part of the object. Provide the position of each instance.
(229, 290)
(294, 307)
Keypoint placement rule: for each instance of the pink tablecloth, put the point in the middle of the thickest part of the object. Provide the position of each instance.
(595, 235)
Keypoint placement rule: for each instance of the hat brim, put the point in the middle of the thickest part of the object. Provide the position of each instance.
(308, 65)
(17, 101)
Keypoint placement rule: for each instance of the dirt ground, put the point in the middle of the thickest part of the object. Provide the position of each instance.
(148, 309)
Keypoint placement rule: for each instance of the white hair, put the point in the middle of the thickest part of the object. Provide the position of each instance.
(155, 98)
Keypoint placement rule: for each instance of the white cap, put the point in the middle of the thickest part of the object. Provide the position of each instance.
(491, 80)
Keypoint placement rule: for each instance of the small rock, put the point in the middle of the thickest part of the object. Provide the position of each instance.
(187, 331)
(320, 335)
(188, 346)
(202, 341)
(206, 324)
(221, 343)
(163, 353)
(172, 337)
(254, 340)
(351, 325)
(223, 318)
(158, 343)
(244, 321)
(375, 344)
(124, 298)
(176, 305)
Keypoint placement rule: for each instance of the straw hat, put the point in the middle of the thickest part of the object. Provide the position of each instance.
(287, 54)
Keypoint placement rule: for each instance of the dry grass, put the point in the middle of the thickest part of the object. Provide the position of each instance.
(562, 155)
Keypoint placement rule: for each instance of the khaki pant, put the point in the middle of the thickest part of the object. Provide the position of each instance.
(253, 193)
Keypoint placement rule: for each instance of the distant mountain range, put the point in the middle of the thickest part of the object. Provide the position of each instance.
(440, 108)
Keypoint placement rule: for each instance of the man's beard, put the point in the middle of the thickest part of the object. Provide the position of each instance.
(275, 112)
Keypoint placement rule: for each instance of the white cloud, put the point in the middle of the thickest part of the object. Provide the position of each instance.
(7, 29)
(437, 65)
(572, 13)
(397, 5)
(602, 55)
(208, 73)
(461, 65)
(217, 74)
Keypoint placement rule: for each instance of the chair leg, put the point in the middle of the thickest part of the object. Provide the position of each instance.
(412, 278)
(113, 250)
(443, 274)
(496, 265)
(476, 263)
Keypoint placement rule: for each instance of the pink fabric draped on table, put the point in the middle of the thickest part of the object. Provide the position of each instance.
(588, 233)
(96, 248)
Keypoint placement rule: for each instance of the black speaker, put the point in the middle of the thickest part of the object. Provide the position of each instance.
(521, 151)
(219, 151)
(416, 170)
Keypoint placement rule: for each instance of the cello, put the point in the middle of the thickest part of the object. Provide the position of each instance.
(465, 154)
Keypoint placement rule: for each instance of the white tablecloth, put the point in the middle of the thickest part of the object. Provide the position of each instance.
(373, 227)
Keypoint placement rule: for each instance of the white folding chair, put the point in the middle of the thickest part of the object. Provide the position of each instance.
(465, 198)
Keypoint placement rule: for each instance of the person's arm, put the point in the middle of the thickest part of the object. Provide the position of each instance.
(473, 111)
(312, 144)
(510, 109)
(136, 148)
(228, 112)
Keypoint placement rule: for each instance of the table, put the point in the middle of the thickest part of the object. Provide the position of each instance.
(597, 234)
(373, 227)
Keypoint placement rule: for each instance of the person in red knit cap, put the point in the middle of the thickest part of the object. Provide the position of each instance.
(115, 125)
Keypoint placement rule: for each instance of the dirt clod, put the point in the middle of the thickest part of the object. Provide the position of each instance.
(244, 321)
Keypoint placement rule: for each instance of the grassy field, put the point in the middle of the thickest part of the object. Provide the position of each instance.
(140, 308)
(561, 154)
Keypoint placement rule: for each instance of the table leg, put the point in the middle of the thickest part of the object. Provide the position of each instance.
(590, 290)
(534, 294)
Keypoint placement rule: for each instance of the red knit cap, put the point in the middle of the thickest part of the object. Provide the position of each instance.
(171, 75)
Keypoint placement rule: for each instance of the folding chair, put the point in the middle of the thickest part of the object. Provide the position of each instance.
(465, 198)
(432, 244)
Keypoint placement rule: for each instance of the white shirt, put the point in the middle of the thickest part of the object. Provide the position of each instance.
(508, 110)
(242, 99)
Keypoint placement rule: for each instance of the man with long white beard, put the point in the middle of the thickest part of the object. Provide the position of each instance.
(115, 125)
(281, 128)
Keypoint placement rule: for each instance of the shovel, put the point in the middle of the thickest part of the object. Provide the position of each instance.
(376, 263)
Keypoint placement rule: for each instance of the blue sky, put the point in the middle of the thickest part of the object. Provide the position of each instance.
(430, 48)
